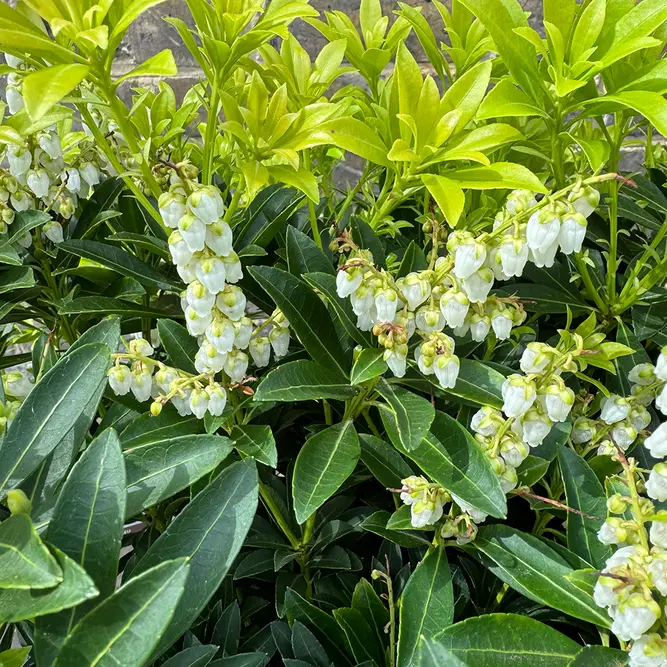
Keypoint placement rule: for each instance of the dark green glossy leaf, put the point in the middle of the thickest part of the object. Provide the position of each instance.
(256, 562)
(24, 560)
(227, 629)
(407, 416)
(256, 441)
(303, 380)
(256, 659)
(306, 313)
(535, 570)
(325, 461)
(426, 605)
(366, 601)
(157, 470)
(179, 345)
(146, 429)
(304, 255)
(583, 492)
(25, 221)
(507, 640)
(210, 532)
(359, 635)
(368, 365)
(18, 604)
(599, 656)
(531, 470)
(386, 464)
(155, 245)
(620, 382)
(306, 647)
(105, 305)
(195, 656)
(49, 412)
(377, 523)
(120, 261)
(106, 332)
(414, 259)
(478, 384)
(141, 608)
(365, 237)
(103, 197)
(544, 299)
(15, 278)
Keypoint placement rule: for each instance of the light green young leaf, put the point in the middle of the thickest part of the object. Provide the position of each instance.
(467, 93)
(500, 175)
(448, 196)
(161, 64)
(46, 87)
(355, 136)
(589, 26)
(325, 461)
(652, 106)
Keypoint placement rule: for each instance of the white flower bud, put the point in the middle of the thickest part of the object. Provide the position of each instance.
(623, 434)
(90, 173)
(508, 479)
(72, 180)
(558, 401)
(478, 285)
(38, 182)
(584, 200)
(643, 374)
(53, 231)
(583, 431)
(366, 321)
(480, 325)
(542, 229)
(142, 382)
(535, 358)
(476, 515)
(513, 451)
(193, 231)
(362, 300)
(614, 409)
(454, 306)
(211, 273)
(518, 395)
(17, 384)
(14, 100)
(348, 281)
(219, 238)
(656, 485)
(446, 369)
(648, 651)
(172, 208)
(658, 534)
(519, 201)
(396, 359)
(486, 421)
(572, 233)
(200, 299)
(21, 201)
(120, 380)
(217, 399)
(656, 443)
(280, 338)
(141, 346)
(429, 319)
(19, 160)
(611, 532)
(639, 417)
(658, 571)
(182, 402)
(206, 203)
(209, 360)
(232, 302)
(243, 328)
(502, 324)
(533, 427)
(50, 144)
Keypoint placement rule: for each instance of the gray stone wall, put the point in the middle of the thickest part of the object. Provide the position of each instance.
(150, 33)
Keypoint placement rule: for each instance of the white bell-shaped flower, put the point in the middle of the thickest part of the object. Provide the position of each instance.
(656, 443)
(243, 328)
(639, 417)
(196, 324)
(661, 400)
(542, 229)
(518, 395)
(206, 203)
(142, 383)
(232, 302)
(519, 201)
(513, 253)
(535, 358)
(53, 231)
(446, 369)
(209, 360)
(656, 485)
(478, 285)
(614, 409)
(545, 258)
(366, 320)
(658, 534)
(120, 380)
(584, 200)
(429, 319)
(362, 299)
(50, 144)
(236, 365)
(572, 233)
(558, 401)
(348, 281)
(280, 338)
(219, 238)
(502, 323)
(468, 258)
(642, 374)
(181, 402)
(233, 268)
(480, 325)
(533, 427)
(200, 299)
(513, 450)
(14, 100)
(193, 231)
(396, 359)
(199, 400)
(454, 306)
(260, 351)
(188, 273)
(221, 333)
(172, 208)
(583, 430)
(17, 384)
(486, 421)
(90, 173)
(415, 289)
(19, 160)
(211, 273)
(38, 182)
(179, 249)
(623, 434)
(648, 651)
(72, 180)
(508, 478)
(635, 617)
(217, 399)
(22, 201)
(661, 365)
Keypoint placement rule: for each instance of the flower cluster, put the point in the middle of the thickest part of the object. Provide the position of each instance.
(454, 291)
(45, 171)
(427, 502)
(16, 385)
(633, 583)
(214, 306)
